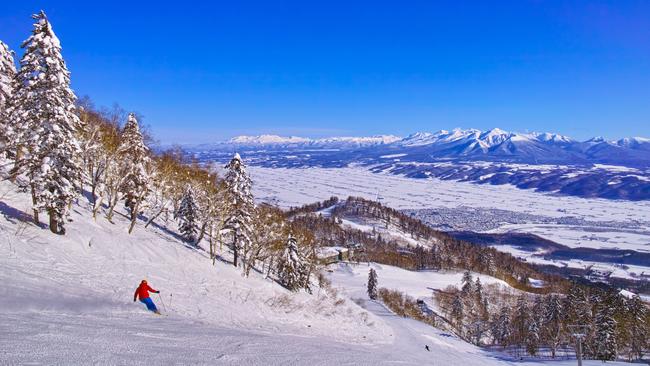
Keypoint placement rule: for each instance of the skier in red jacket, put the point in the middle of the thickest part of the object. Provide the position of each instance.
(142, 292)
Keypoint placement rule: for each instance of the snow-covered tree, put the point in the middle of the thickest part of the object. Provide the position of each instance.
(238, 223)
(605, 344)
(553, 324)
(133, 168)
(478, 290)
(501, 327)
(458, 312)
(43, 126)
(521, 320)
(468, 284)
(269, 238)
(292, 269)
(481, 301)
(100, 141)
(532, 338)
(476, 309)
(7, 75)
(187, 216)
(578, 308)
(637, 327)
(372, 284)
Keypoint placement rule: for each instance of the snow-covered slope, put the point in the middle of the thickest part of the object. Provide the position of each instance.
(75, 291)
(68, 300)
(417, 284)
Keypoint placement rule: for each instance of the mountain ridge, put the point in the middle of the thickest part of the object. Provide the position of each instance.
(465, 144)
(270, 139)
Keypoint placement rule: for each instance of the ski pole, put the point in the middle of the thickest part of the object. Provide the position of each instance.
(170, 300)
(162, 302)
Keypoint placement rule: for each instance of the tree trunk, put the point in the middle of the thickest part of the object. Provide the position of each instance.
(134, 216)
(235, 253)
(270, 267)
(97, 205)
(152, 218)
(201, 233)
(54, 223)
(212, 256)
(93, 189)
(111, 207)
(34, 202)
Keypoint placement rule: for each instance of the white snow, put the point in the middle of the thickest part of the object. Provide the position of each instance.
(280, 140)
(267, 139)
(390, 156)
(68, 300)
(417, 284)
(317, 184)
(295, 187)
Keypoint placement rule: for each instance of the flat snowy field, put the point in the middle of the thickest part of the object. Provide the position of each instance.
(68, 300)
(295, 187)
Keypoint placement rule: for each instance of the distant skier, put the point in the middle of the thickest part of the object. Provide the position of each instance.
(426, 346)
(142, 292)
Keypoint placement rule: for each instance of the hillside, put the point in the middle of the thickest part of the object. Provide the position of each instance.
(86, 279)
(67, 299)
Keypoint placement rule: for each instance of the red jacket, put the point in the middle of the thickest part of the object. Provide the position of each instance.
(142, 291)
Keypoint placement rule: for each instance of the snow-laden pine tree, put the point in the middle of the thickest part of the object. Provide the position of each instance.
(578, 308)
(637, 327)
(240, 206)
(372, 284)
(187, 218)
(292, 269)
(476, 311)
(134, 163)
(553, 324)
(501, 327)
(468, 284)
(532, 339)
(520, 321)
(458, 312)
(605, 344)
(7, 75)
(43, 126)
(481, 301)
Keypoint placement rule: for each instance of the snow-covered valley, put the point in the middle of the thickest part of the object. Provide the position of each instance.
(571, 221)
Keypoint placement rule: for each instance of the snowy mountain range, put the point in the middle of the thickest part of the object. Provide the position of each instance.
(468, 144)
(543, 161)
(295, 142)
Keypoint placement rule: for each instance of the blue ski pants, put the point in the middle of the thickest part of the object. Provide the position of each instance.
(150, 305)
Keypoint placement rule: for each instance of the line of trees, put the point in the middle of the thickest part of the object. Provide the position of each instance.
(56, 147)
(615, 326)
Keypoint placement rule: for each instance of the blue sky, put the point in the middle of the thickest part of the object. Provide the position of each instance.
(204, 72)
